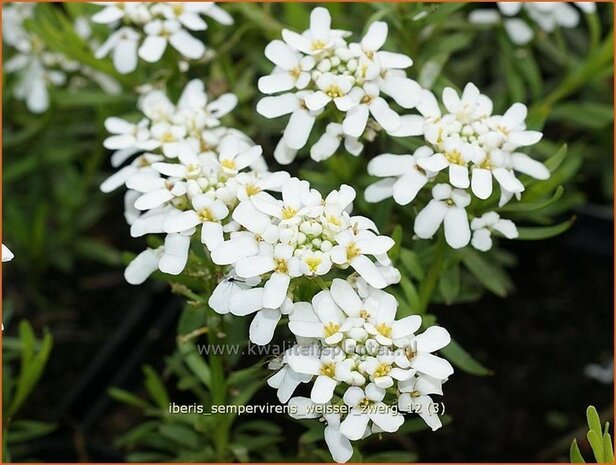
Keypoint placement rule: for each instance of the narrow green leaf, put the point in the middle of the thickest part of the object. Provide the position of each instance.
(410, 261)
(491, 276)
(156, 388)
(594, 423)
(128, 398)
(596, 442)
(543, 232)
(608, 448)
(449, 284)
(463, 360)
(575, 455)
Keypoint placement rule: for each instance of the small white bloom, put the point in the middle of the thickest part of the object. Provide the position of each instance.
(448, 207)
(484, 226)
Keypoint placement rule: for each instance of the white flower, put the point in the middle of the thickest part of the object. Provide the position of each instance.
(339, 445)
(285, 381)
(484, 226)
(403, 177)
(330, 368)
(367, 405)
(7, 255)
(320, 71)
(147, 28)
(381, 370)
(448, 207)
(546, 15)
(123, 45)
(417, 353)
(415, 397)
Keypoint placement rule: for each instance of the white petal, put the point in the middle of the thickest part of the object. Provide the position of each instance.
(369, 271)
(187, 45)
(432, 365)
(432, 339)
(481, 183)
(281, 55)
(375, 37)
(507, 180)
(408, 186)
(263, 326)
(458, 176)
(339, 446)
(346, 297)
(152, 48)
(323, 389)
(298, 129)
(457, 230)
(405, 326)
(389, 422)
(354, 425)
(273, 107)
(175, 254)
(234, 249)
(385, 116)
(142, 266)
(276, 290)
(519, 32)
(251, 267)
(212, 235)
(278, 82)
(182, 222)
(429, 219)
(525, 164)
(355, 121)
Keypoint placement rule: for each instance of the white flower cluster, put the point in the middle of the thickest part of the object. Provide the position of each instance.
(35, 65)
(144, 29)
(188, 174)
(368, 368)
(318, 72)
(280, 241)
(466, 148)
(546, 15)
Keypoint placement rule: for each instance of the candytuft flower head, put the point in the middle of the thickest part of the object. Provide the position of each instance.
(187, 174)
(148, 28)
(319, 73)
(359, 356)
(300, 235)
(468, 151)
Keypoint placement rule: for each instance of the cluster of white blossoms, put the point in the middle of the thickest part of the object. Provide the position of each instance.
(368, 369)
(37, 67)
(186, 173)
(546, 15)
(466, 149)
(319, 73)
(145, 29)
(279, 241)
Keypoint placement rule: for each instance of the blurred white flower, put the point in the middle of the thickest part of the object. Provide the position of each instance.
(546, 15)
(7, 255)
(143, 29)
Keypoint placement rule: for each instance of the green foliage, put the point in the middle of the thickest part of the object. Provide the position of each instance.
(31, 356)
(600, 440)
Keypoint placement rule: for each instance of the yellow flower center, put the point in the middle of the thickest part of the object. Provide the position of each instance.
(251, 190)
(366, 99)
(318, 45)
(334, 91)
(288, 213)
(382, 370)
(384, 329)
(334, 220)
(228, 164)
(352, 251)
(313, 263)
(328, 369)
(454, 157)
(331, 328)
(167, 137)
(206, 215)
(295, 72)
(281, 265)
(364, 314)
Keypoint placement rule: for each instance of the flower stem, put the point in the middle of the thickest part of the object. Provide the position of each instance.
(427, 286)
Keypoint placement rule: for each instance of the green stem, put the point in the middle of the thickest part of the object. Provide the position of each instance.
(428, 285)
(219, 385)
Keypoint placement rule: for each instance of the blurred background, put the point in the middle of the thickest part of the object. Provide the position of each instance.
(548, 345)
